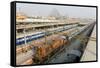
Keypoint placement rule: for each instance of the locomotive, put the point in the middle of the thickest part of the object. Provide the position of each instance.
(44, 50)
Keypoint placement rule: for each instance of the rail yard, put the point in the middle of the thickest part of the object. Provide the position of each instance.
(43, 40)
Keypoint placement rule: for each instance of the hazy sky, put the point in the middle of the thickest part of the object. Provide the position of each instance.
(45, 10)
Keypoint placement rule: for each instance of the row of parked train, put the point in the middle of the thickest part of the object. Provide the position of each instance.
(37, 35)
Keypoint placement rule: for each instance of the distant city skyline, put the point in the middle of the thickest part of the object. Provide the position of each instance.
(45, 10)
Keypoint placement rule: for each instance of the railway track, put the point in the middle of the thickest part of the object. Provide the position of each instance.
(75, 50)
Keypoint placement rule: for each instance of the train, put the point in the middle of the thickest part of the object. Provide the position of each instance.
(37, 35)
(44, 50)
